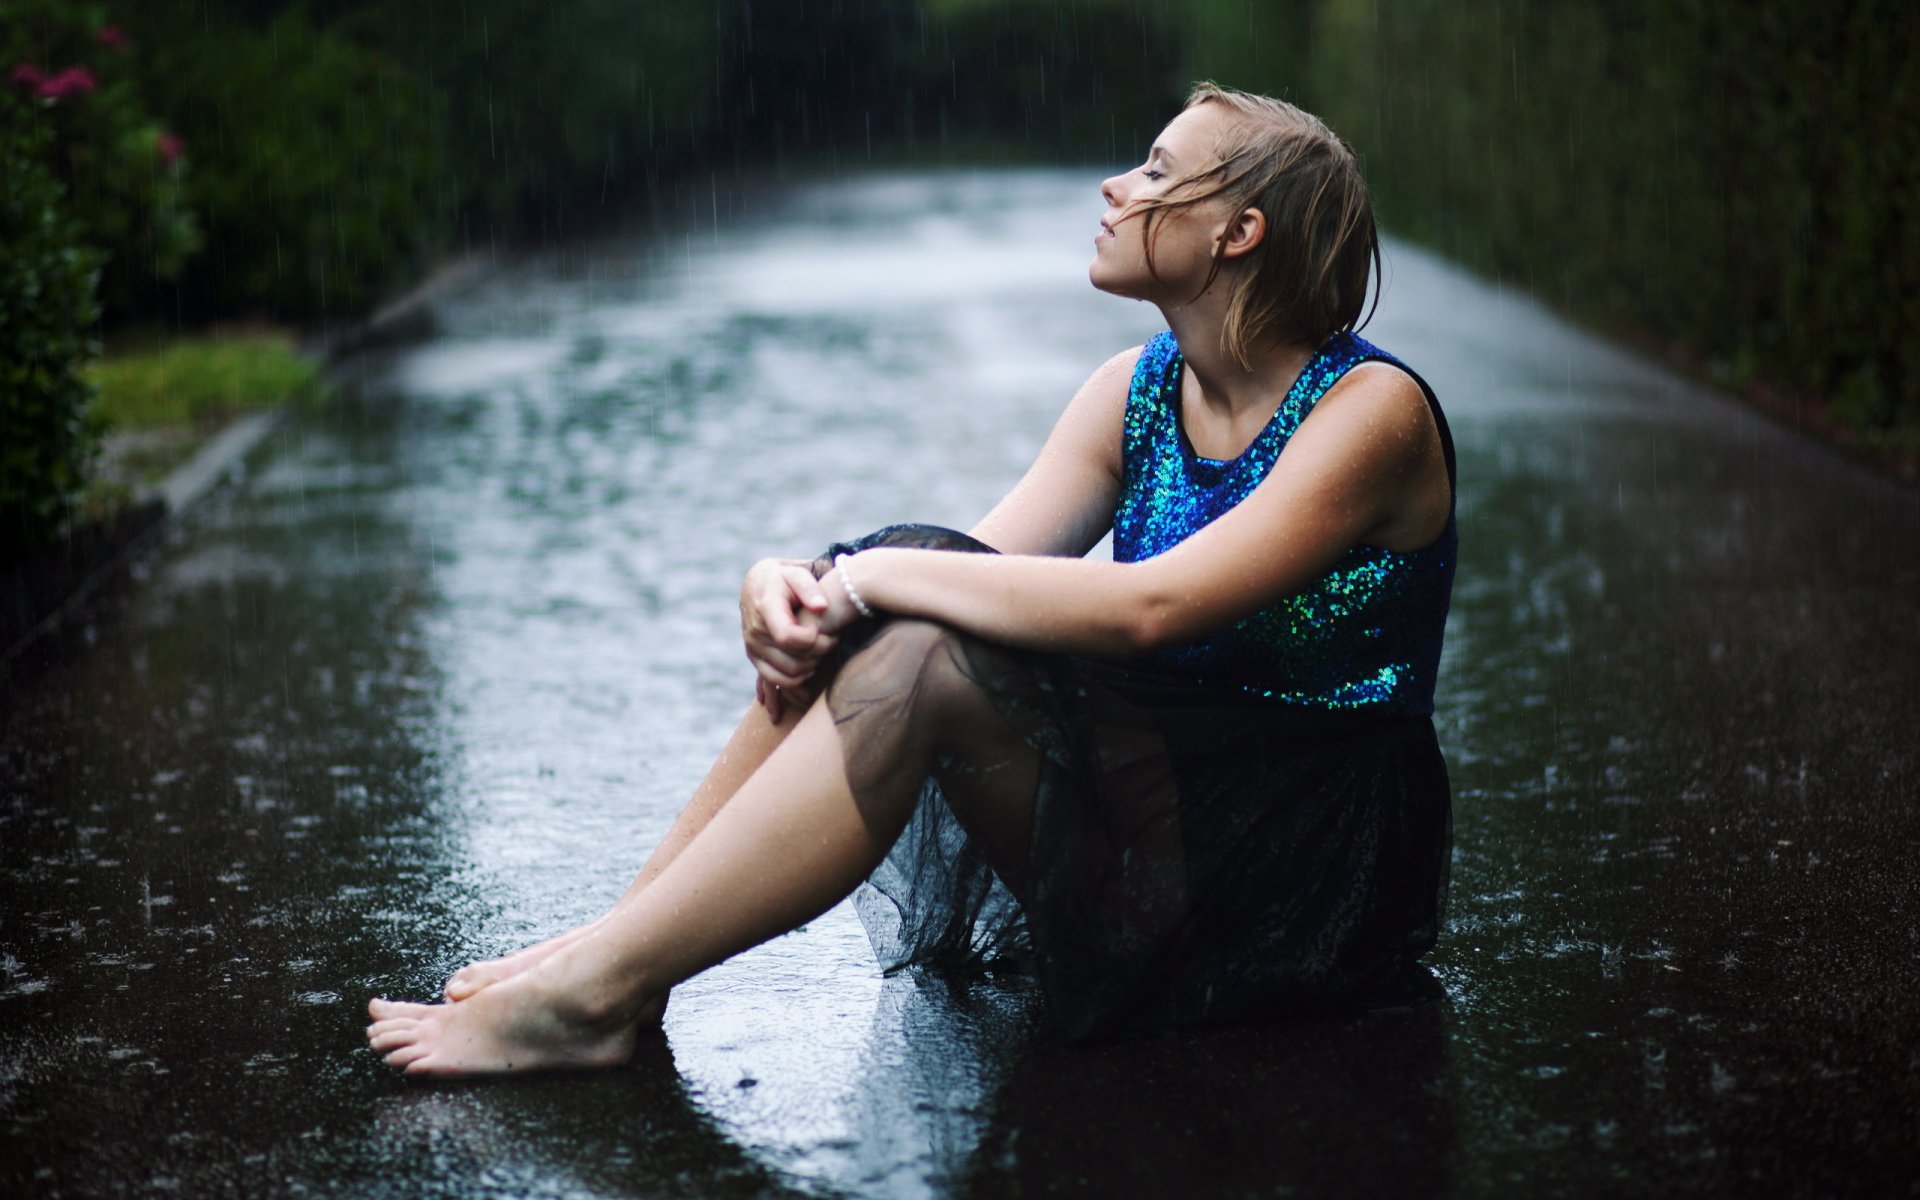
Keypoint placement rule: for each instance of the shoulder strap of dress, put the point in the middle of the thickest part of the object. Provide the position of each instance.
(1147, 390)
(1327, 366)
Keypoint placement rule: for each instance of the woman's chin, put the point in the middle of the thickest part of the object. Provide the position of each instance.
(1103, 280)
(1115, 288)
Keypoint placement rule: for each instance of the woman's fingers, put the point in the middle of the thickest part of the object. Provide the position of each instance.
(789, 662)
(777, 677)
(781, 609)
(797, 666)
(781, 628)
(782, 602)
(805, 588)
(797, 631)
(822, 645)
(769, 697)
(787, 600)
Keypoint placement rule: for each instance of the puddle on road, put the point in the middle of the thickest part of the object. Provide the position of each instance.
(431, 681)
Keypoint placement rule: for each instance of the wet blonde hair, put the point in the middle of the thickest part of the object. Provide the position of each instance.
(1307, 278)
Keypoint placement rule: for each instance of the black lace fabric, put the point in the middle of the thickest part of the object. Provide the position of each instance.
(1160, 855)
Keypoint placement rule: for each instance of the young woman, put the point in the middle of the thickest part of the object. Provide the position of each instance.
(1196, 784)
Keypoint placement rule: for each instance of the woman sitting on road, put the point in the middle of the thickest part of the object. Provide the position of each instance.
(1197, 784)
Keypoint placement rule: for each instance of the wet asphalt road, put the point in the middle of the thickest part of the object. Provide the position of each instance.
(430, 680)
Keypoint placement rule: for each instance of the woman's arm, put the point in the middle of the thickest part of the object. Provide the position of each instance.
(1364, 464)
(1063, 505)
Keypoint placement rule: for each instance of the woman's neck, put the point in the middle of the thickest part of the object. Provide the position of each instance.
(1225, 386)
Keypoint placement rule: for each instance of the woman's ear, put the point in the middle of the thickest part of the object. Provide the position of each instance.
(1243, 233)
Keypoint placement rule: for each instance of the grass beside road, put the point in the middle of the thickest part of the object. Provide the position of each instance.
(201, 382)
(160, 402)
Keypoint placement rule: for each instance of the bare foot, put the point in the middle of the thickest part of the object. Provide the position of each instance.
(519, 1024)
(471, 978)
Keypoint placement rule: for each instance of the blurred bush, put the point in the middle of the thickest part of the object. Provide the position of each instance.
(47, 315)
(1050, 80)
(549, 111)
(1741, 188)
(342, 143)
(318, 175)
(123, 170)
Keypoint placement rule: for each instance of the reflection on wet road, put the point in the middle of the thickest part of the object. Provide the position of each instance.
(431, 680)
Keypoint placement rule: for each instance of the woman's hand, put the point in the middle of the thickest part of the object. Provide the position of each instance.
(839, 611)
(781, 606)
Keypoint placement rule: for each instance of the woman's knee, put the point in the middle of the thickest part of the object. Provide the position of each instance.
(932, 671)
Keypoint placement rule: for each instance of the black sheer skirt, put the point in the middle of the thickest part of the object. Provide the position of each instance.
(1158, 854)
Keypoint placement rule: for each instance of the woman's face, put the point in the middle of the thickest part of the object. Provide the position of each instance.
(1183, 238)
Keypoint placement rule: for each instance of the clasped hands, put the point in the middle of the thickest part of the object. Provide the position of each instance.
(790, 623)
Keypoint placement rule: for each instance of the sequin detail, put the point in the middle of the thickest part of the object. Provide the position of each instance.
(1366, 635)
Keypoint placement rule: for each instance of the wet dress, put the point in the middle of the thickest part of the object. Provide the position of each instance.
(1246, 826)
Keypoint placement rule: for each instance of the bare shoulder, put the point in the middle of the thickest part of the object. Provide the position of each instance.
(1383, 391)
(1374, 432)
(1383, 404)
(1111, 379)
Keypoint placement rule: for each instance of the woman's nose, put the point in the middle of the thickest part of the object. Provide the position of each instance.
(1107, 191)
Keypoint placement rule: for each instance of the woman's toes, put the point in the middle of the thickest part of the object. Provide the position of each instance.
(406, 1056)
(464, 983)
(388, 1039)
(386, 1010)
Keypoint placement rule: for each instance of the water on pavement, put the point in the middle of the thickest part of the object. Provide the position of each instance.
(430, 680)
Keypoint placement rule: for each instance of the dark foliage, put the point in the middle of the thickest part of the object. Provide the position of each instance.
(1084, 80)
(47, 315)
(121, 167)
(318, 172)
(1743, 187)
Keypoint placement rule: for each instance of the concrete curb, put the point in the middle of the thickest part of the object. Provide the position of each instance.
(215, 460)
(406, 318)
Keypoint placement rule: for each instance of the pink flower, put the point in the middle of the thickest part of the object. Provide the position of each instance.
(111, 35)
(169, 146)
(28, 75)
(74, 81)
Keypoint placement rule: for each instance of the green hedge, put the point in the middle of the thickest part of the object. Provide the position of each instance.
(1742, 185)
(47, 314)
(339, 144)
(551, 110)
(318, 176)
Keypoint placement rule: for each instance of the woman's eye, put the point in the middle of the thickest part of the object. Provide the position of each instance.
(1150, 173)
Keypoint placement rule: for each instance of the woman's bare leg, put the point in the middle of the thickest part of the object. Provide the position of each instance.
(790, 843)
(753, 740)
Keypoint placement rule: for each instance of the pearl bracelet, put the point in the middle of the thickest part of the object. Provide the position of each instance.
(846, 582)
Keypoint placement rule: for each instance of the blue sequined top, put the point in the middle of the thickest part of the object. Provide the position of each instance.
(1366, 635)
